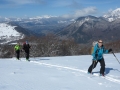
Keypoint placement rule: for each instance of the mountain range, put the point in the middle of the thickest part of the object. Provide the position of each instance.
(83, 29)
(40, 25)
(88, 28)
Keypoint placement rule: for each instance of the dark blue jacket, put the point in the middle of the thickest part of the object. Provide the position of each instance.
(98, 52)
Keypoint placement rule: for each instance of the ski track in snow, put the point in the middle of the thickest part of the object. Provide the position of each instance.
(75, 69)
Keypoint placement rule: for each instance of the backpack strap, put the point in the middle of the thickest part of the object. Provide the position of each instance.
(96, 52)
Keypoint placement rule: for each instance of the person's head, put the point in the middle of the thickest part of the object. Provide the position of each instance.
(100, 43)
(26, 42)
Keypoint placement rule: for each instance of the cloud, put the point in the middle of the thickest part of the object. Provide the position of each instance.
(21, 2)
(67, 3)
(85, 11)
(75, 4)
(76, 7)
(99, 2)
(81, 12)
(61, 3)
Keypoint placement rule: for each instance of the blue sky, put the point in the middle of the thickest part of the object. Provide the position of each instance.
(64, 8)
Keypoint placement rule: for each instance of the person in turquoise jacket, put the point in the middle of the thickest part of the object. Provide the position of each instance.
(97, 54)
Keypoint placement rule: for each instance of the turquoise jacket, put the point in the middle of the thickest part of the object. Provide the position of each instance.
(98, 52)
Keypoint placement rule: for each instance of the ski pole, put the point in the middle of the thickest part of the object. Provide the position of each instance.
(94, 62)
(116, 57)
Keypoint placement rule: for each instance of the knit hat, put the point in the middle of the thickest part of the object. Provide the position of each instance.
(24, 42)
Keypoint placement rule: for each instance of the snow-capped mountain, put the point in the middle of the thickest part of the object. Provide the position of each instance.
(37, 18)
(82, 29)
(8, 33)
(88, 28)
(113, 15)
(40, 25)
(44, 25)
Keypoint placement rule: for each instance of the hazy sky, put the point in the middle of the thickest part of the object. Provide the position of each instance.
(64, 8)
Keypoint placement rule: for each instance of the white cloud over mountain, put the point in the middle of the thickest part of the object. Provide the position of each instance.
(81, 12)
(85, 11)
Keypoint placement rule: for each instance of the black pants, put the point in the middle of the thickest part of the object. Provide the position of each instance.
(18, 54)
(27, 54)
(94, 63)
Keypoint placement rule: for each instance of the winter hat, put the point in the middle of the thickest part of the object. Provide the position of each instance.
(24, 42)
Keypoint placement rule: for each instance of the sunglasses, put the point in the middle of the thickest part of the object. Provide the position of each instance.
(100, 42)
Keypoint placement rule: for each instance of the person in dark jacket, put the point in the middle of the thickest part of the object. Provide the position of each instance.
(26, 48)
(97, 54)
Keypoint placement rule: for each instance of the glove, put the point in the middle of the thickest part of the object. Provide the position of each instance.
(109, 50)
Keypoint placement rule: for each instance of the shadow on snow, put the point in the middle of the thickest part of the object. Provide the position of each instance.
(107, 70)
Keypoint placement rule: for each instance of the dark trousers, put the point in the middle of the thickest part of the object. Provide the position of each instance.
(18, 54)
(94, 63)
(27, 54)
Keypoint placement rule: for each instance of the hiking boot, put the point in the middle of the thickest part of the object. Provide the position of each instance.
(89, 73)
(102, 75)
(27, 60)
(17, 58)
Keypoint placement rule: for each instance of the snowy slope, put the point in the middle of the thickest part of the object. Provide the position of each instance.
(8, 33)
(58, 73)
(113, 15)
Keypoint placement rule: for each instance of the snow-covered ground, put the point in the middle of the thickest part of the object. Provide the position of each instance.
(8, 33)
(58, 73)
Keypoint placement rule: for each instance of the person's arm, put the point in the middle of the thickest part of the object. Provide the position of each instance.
(29, 46)
(23, 47)
(104, 50)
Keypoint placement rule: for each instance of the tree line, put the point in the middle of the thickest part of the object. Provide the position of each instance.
(51, 45)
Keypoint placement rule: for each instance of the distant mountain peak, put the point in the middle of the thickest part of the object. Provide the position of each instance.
(86, 18)
(112, 15)
(118, 9)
